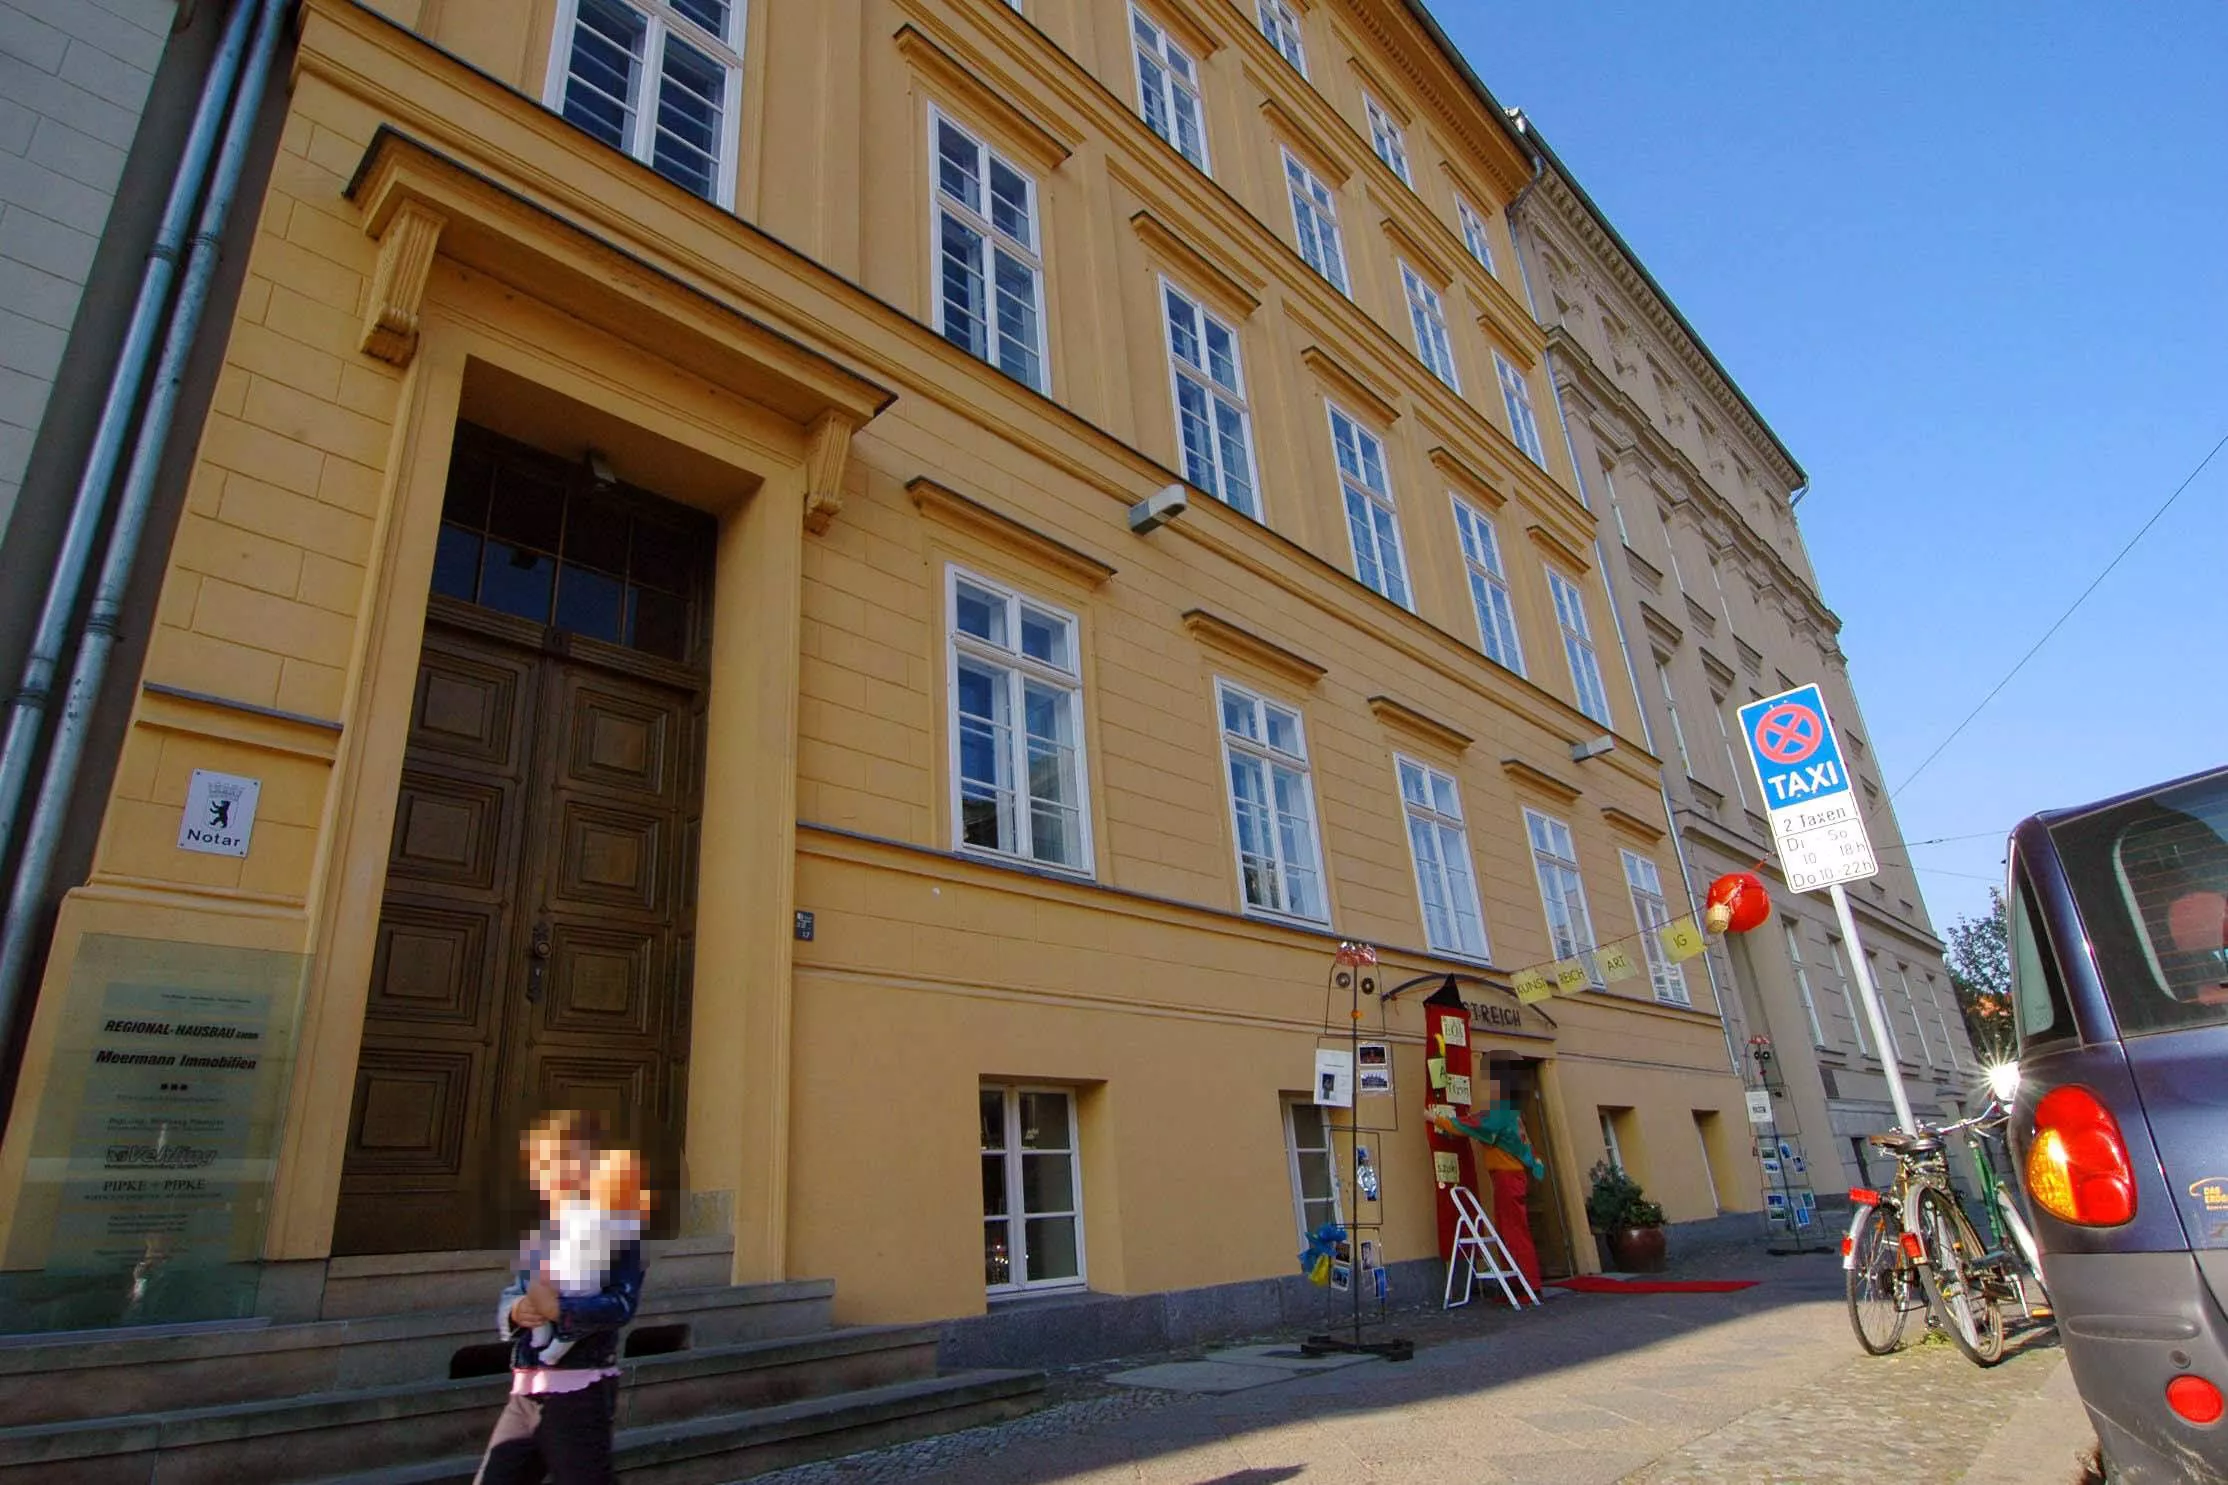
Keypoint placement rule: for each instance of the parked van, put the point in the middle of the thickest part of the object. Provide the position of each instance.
(2118, 923)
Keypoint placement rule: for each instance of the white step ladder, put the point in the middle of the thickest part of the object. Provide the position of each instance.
(1479, 1253)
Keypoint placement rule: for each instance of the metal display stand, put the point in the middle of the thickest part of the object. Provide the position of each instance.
(1355, 971)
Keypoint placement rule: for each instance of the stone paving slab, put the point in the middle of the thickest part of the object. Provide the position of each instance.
(1201, 1376)
(1765, 1384)
(1286, 1357)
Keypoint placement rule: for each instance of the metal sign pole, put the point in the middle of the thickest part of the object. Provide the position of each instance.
(1873, 1012)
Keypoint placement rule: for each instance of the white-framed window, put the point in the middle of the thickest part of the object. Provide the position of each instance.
(1918, 1026)
(1887, 1012)
(1315, 222)
(989, 260)
(1733, 766)
(1372, 521)
(1849, 1004)
(1516, 396)
(1671, 706)
(1386, 138)
(1282, 27)
(1570, 928)
(1439, 842)
(1314, 1163)
(1652, 913)
(1941, 1021)
(661, 80)
(1272, 805)
(1489, 586)
(1610, 1147)
(1019, 786)
(1168, 88)
(1427, 313)
(1032, 1190)
(1578, 647)
(1212, 422)
(1474, 235)
(1794, 935)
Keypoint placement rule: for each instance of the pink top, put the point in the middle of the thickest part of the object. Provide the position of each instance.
(541, 1381)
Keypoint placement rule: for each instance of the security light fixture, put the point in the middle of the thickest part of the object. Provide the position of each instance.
(599, 468)
(1592, 747)
(1159, 508)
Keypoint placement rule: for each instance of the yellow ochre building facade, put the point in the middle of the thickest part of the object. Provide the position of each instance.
(667, 541)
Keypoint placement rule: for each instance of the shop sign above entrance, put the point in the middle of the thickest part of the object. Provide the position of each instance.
(220, 813)
(1815, 820)
(1498, 1012)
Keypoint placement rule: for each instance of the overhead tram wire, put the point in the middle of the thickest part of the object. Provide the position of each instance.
(2097, 581)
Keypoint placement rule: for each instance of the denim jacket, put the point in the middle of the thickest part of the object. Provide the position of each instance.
(592, 1322)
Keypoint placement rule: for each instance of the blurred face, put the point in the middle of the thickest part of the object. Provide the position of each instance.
(557, 1167)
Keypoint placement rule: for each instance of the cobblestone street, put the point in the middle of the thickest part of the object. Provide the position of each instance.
(1765, 1384)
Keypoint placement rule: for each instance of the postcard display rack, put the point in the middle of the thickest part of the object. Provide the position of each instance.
(1363, 1090)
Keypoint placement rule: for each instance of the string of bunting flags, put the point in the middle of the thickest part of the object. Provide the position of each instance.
(1736, 903)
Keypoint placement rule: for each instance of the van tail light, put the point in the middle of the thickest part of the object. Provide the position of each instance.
(2194, 1399)
(2077, 1166)
(1912, 1248)
(1864, 1196)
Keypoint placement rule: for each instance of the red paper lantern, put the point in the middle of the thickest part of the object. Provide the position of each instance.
(1736, 902)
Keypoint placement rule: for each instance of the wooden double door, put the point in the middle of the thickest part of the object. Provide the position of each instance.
(535, 940)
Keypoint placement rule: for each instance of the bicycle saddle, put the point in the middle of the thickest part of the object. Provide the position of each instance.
(1900, 1143)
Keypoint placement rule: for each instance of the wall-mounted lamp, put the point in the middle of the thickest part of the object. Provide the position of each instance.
(1592, 747)
(599, 468)
(1159, 508)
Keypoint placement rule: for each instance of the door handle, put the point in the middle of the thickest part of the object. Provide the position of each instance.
(538, 966)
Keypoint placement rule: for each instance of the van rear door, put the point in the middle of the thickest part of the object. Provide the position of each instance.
(2150, 877)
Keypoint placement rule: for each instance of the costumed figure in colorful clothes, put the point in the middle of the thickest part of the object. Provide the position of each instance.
(1507, 1155)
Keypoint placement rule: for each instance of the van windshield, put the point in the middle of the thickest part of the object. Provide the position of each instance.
(2151, 880)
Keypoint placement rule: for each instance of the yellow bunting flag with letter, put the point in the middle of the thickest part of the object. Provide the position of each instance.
(1681, 940)
(1616, 964)
(1570, 977)
(1531, 985)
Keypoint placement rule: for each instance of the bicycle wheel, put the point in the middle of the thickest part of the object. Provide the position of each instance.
(2023, 1245)
(1876, 1281)
(1964, 1308)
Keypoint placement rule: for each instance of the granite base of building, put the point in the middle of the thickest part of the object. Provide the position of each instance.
(1725, 1230)
(1075, 1329)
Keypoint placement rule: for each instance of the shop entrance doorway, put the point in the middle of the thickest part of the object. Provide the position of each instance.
(535, 943)
(1518, 1079)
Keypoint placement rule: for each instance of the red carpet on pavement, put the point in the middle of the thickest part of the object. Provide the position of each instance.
(1596, 1284)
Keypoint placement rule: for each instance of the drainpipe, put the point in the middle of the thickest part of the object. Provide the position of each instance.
(104, 622)
(27, 714)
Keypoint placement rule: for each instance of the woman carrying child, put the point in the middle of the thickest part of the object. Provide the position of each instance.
(578, 1282)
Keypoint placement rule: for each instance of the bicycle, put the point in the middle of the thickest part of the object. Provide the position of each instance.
(2000, 1205)
(1911, 1247)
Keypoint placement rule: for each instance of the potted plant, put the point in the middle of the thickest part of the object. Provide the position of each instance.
(1631, 1224)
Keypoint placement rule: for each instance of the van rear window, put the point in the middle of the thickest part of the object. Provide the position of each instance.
(2151, 880)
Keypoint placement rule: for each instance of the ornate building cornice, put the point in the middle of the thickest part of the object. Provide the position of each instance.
(1575, 216)
(1623, 426)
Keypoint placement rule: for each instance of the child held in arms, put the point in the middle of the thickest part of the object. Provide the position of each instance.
(578, 1281)
(590, 1231)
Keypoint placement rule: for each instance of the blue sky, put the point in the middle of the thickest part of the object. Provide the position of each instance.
(1971, 261)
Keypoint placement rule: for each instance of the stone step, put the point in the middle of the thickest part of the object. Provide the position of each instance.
(738, 1445)
(50, 1379)
(403, 1283)
(322, 1434)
